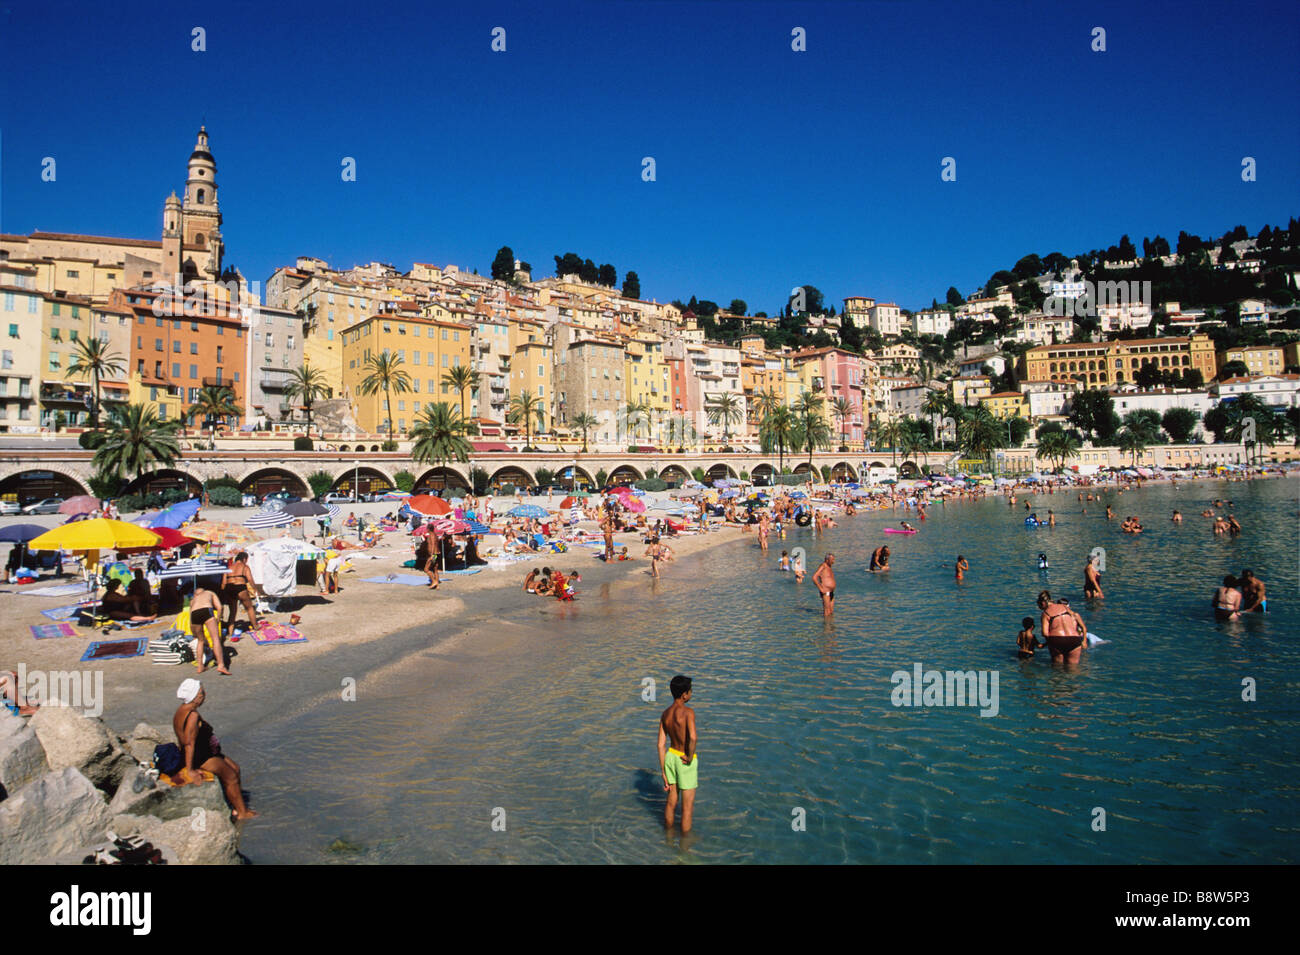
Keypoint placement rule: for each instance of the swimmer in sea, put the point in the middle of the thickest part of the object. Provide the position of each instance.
(879, 559)
(1092, 580)
(1026, 642)
(1060, 628)
(1227, 600)
(1253, 598)
(1177, 518)
(961, 567)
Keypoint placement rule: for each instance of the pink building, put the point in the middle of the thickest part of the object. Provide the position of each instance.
(839, 375)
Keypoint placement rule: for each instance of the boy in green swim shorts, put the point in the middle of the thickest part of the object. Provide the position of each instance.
(678, 763)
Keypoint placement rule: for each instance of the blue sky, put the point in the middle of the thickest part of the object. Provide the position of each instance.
(774, 168)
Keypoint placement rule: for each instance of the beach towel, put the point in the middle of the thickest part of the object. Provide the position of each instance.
(46, 631)
(63, 613)
(408, 580)
(463, 570)
(56, 590)
(277, 633)
(114, 649)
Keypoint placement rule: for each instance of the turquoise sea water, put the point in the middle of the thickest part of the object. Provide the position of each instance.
(795, 713)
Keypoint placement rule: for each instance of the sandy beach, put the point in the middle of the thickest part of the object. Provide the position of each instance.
(346, 633)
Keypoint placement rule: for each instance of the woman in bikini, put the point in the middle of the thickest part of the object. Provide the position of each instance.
(1227, 600)
(1060, 629)
(235, 590)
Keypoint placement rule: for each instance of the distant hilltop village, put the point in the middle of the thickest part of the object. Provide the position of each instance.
(1172, 327)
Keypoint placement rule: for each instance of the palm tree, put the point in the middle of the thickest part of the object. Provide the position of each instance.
(214, 403)
(461, 378)
(439, 435)
(523, 408)
(938, 404)
(680, 430)
(891, 432)
(585, 422)
(764, 404)
(778, 431)
(914, 441)
(724, 408)
(137, 441)
(979, 433)
(385, 375)
(92, 357)
(1131, 442)
(1058, 446)
(307, 384)
(811, 429)
(842, 409)
(633, 414)
(308, 315)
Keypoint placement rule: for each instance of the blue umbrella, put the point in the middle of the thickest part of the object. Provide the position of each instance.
(21, 533)
(477, 528)
(176, 515)
(730, 492)
(527, 510)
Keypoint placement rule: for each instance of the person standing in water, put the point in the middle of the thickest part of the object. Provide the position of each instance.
(1092, 580)
(678, 763)
(824, 578)
(960, 568)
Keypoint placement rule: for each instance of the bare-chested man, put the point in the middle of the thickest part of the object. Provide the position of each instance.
(824, 578)
(678, 764)
(762, 532)
(1253, 598)
(607, 530)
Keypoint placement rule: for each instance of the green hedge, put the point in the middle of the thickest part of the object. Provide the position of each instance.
(225, 496)
(302, 444)
(652, 484)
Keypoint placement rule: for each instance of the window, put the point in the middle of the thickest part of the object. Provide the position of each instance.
(9, 308)
(401, 405)
(415, 358)
(431, 331)
(270, 340)
(219, 358)
(54, 361)
(31, 305)
(329, 334)
(157, 344)
(415, 387)
(444, 334)
(6, 359)
(444, 360)
(194, 371)
(9, 301)
(157, 322)
(157, 369)
(220, 374)
(541, 391)
(221, 330)
(139, 366)
(13, 331)
(176, 369)
(176, 347)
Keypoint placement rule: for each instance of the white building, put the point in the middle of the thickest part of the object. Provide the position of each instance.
(886, 318)
(1162, 400)
(1045, 329)
(1276, 391)
(935, 321)
(1121, 316)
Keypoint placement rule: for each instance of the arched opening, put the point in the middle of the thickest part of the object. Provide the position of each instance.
(624, 474)
(908, 469)
(373, 447)
(441, 479)
(877, 464)
(360, 481)
(160, 482)
(574, 478)
(763, 474)
(843, 472)
(719, 471)
(201, 194)
(272, 480)
(803, 468)
(510, 477)
(27, 487)
(675, 475)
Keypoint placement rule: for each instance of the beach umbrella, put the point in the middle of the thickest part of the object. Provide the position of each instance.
(420, 531)
(396, 496)
(570, 501)
(729, 493)
(476, 527)
(306, 509)
(456, 501)
(98, 534)
(449, 526)
(269, 519)
(220, 532)
(428, 505)
(200, 567)
(176, 515)
(81, 504)
(527, 510)
(20, 533)
(693, 484)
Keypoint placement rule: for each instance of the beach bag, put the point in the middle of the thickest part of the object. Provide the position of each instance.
(167, 758)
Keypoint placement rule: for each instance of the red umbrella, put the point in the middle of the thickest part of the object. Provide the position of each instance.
(81, 504)
(428, 505)
(170, 537)
(570, 502)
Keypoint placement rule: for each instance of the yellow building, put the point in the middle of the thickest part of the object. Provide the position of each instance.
(427, 349)
(1097, 364)
(531, 371)
(969, 391)
(1258, 359)
(1007, 404)
(21, 307)
(646, 375)
(167, 401)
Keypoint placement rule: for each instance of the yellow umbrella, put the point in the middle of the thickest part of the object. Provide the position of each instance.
(97, 534)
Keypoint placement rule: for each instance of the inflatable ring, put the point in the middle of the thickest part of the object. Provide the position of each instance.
(804, 519)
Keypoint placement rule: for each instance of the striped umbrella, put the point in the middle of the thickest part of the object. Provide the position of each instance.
(475, 527)
(203, 567)
(268, 519)
(220, 532)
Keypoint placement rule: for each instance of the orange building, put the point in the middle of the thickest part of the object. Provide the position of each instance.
(178, 347)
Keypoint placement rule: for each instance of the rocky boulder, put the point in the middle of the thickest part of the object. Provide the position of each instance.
(140, 744)
(54, 814)
(73, 740)
(21, 757)
(141, 795)
(209, 838)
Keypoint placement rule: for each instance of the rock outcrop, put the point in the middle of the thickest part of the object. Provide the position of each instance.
(73, 740)
(21, 757)
(54, 814)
